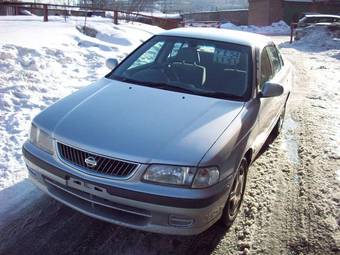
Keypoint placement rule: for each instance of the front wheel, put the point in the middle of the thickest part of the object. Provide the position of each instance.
(235, 198)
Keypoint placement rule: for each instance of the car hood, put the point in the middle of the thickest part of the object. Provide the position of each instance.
(139, 123)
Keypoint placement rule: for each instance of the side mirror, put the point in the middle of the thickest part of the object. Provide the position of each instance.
(271, 90)
(111, 63)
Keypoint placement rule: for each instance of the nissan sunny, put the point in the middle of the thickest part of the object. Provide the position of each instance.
(164, 141)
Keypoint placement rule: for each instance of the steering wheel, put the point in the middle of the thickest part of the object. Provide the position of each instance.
(174, 77)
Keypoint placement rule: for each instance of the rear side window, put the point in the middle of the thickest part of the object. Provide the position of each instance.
(308, 20)
(274, 58)
(266, 68)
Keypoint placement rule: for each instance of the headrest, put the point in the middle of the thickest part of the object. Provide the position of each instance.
(188, 55)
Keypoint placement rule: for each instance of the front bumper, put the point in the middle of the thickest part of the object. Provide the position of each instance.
(135, 205)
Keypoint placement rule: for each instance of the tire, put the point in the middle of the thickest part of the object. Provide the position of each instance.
(235, 198)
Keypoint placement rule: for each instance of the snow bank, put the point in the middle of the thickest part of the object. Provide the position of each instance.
(277, 28)
(159, 14)
(318, 38)
(41, 62)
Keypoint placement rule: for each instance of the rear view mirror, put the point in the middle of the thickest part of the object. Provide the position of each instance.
(271, 90)
(111, 63)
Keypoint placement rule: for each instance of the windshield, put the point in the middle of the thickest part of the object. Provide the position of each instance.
(195, 66)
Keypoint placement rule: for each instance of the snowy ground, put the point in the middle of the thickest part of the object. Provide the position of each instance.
(42, 62)
(277, 28)
(292, 198)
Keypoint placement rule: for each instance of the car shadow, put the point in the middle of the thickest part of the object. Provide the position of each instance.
(37, 224)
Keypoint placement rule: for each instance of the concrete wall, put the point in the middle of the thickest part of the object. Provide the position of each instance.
(238, 17)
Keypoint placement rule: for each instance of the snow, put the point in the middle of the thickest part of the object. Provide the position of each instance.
(318, 53)
(277, 28)
(159, 14)
(41, 62)
(318, 38)
(323, 62)
(289, 143)
(26, 12)
(338, 175)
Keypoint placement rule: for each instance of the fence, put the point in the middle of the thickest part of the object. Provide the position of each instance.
(14, 8)
(237, 17)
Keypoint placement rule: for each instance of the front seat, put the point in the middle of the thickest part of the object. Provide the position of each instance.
(186, 68)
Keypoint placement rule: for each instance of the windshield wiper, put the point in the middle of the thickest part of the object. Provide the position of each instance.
(158, 85)
(128, 80)
(221, 95)
(171, 87)
(199, 92)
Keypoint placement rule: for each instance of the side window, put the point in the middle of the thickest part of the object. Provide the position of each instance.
(149, 56)
(274, 58)
(266, 69)
(281, 59)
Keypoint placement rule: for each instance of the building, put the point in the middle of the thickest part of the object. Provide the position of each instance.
(265, 12)
(292, 8)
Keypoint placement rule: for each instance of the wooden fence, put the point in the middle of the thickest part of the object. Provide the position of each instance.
(14, 8)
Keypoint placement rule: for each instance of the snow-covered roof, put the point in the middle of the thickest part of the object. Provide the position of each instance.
(217, 34)
(323, 15)
(303, 1)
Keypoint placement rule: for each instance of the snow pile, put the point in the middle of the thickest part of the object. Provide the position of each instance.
(159, 14)
(26, 12)
(41, 62)
(319, 38)
(277, 28)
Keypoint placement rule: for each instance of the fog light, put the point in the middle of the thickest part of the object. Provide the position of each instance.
(180, 222)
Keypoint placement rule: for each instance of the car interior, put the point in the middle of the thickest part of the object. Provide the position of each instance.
(198, 67)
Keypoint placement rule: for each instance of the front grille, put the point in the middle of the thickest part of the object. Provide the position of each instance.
(106, 166)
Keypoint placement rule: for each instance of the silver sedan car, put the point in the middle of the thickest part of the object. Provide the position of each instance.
(164, 141)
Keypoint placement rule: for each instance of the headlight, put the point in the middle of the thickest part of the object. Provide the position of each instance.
(41, 139)
(206, 177)
(181, 175)
(170, 174)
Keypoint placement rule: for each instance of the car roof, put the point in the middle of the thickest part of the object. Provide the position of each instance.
(322, 15)
(223, 35)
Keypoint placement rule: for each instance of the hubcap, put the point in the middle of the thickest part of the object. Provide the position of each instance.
(236, 193)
